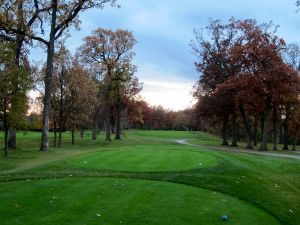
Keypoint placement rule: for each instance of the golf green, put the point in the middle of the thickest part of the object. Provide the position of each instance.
(144, 160)
(120, 201)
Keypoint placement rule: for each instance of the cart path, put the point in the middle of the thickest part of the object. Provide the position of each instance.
(291, 156)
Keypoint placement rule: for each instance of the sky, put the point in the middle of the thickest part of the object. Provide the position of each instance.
(164, 29)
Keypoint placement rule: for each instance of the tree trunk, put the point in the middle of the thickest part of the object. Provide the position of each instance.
(234, 130)
(286, 131)
(12, 138)
(55, 134)
(61, 113)
(280, 135)
(229, 131)
(265, 131)
(255, 131)
(73, 136)
(262, 125)
(112, 127)
(55, 138)
(238, 132)
(295, 141)
(81, 132)
(275, 128)
(48, 81)
(5, 142)
(59, 136)
(118, 122)
(95, 129)
(5, 134)
(5, 124)
(247, 127)
(96, 124)
(107, 114)
(225, 130)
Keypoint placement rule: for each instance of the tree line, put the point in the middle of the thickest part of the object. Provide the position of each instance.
(250, 77)
(96, 81)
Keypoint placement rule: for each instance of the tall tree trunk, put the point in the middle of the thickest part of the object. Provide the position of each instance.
(275, 128)
(247, 127)
(5, 142)
(5, 134)
(48, 81)
(262, 125)
(266, 123)
(95, 129)
(225, 130)
(73, 136)
(295, 140)
(238, 132)
(81, 132)
(255, 131)
(234, 130)
(107, 114)
(96, 124)
(286, 131)
(12, 138)
(59, 136)
(118, 122)
(280, 135)
(61, 112)
(55, 134)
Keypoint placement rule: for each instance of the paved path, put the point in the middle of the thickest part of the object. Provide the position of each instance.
(292, 156)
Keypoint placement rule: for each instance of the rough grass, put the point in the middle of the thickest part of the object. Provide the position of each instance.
(266, 187)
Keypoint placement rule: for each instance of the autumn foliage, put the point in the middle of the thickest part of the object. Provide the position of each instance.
(244, 74)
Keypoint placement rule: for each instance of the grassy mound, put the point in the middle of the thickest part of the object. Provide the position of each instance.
(120, 201)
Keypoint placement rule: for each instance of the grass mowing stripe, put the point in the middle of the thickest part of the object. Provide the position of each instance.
(111, 200)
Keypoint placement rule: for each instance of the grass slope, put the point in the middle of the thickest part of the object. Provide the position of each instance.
(114, 201)
(269, 187)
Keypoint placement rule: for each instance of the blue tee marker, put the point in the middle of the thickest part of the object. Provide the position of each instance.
(224, 217)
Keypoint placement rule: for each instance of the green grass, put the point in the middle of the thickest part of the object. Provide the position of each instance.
(143, 159)
(115, 201)
(114, 180)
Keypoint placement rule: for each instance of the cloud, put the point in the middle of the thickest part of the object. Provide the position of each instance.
(164, 29)
(169, 94)
(170, 90)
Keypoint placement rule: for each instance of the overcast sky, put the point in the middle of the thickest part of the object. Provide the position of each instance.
(164, 28)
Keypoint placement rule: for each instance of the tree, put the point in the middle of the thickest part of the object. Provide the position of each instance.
(18, 39)
(14, 83)
(60, 98)
(215, 65)
(264, 80)
(106, 50)
(125, 86)
(274, 80)
(83, 92)
(58, 16)
(291, 55)
(72, 94)
(242, 68)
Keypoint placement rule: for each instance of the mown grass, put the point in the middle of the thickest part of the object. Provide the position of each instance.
(260, 188)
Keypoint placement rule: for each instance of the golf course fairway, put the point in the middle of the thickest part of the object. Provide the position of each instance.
(143, 159)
